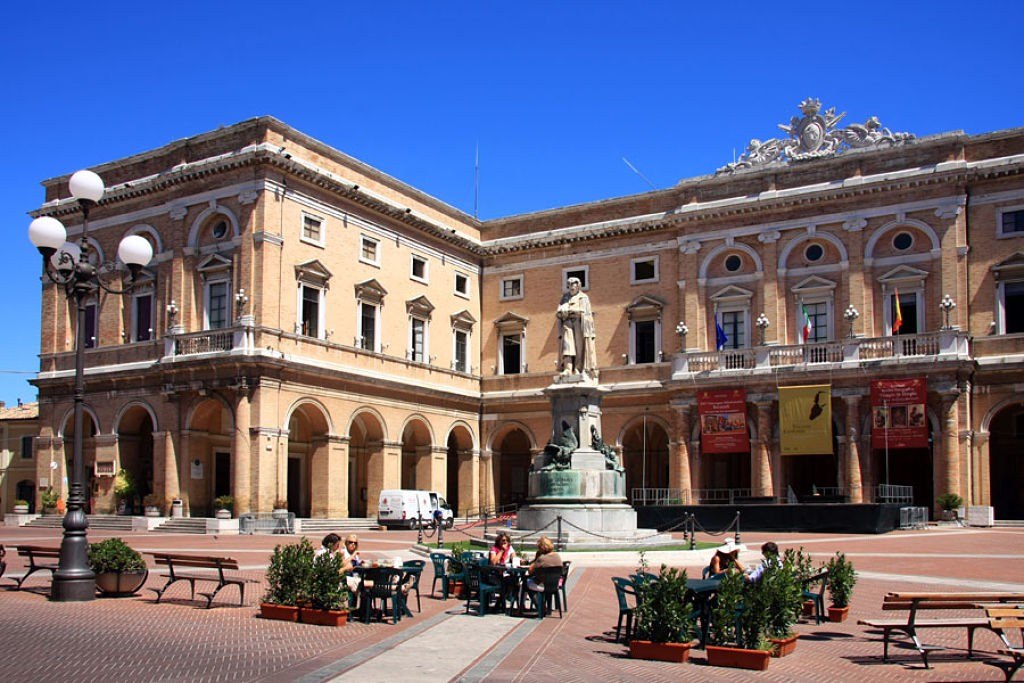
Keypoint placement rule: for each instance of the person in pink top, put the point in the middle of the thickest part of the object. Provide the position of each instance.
(502, 551)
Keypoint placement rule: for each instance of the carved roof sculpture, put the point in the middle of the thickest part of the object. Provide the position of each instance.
(815, 136)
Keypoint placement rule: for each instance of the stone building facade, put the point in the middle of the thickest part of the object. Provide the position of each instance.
(314, 330)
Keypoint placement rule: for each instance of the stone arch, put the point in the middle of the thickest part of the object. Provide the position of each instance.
(316, 408)
(149, 232)
(869, 247)
(210, 425)
(1004, 424)
(513, 446)
(417, 465)
(308, 427)
(792, 244)
(721, 248)
(500, 432)
(460, 448)
(67, 423)
(367, 433)
(644, 445)
(134, 427)
(205, 215)
(120, 416)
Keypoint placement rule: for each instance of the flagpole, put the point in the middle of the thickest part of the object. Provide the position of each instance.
(885, 404)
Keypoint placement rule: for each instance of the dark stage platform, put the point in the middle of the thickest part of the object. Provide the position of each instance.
(822, 517)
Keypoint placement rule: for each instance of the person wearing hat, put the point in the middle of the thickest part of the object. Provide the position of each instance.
(726, 558)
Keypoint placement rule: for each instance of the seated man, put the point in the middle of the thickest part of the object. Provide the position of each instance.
(770, 552)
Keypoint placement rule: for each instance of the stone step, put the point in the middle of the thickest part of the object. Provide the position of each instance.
(183, 525)
(107, 522)
(309, 526)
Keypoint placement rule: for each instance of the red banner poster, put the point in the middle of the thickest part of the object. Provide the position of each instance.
(898, 413)
(723, 421)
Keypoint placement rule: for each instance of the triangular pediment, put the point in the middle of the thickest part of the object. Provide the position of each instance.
(645, 306)
(420, 307)
(511, 321)
(901, 274)
(313, 272)
(1012, 266)
(814, 285)
(213, 263)
(463, 319)
(370, 291)
(732, 293)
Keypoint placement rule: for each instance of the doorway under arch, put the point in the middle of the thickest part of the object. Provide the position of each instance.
(511, 468)
(366, 443)
(1006, 462)
(645, 455)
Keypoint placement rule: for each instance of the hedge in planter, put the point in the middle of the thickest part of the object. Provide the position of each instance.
(664, 623)
(783, 598)
(739, 623)
(288, 579)
(841, 579)
(120, 570)
(326, 593)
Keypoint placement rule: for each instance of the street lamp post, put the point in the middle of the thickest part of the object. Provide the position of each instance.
(851, 315)
(947, 305)
(67, 264)
(762, 323)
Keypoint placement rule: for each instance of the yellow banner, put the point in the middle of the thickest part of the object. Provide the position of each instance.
(805, 418)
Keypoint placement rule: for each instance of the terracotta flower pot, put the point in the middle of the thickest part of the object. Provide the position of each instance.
(323, 617)
(456, 587)
(808, 608)
(737, 658)
(120, 584)
(783, 646)
(269, 610)
(663, 652)
(838, 614)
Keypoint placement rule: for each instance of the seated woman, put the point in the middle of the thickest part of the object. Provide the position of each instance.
(726, 558)
(502, 553)
(546, 557)
(349, 559)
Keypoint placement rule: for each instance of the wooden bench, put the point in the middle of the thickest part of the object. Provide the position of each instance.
(175, 562)
(35, 553)
(1000, 619)
(912, 602)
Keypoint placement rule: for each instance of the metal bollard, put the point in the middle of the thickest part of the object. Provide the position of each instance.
(419, 528)
(440, 535)
(559, 546)
(693, 531)
(737, 527)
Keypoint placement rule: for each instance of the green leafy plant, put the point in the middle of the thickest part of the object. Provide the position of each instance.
(48, 499)
(949, 501)
(740, 614)
(289, 573)
(223, 502)
(455, 565)
(21, 501)
(124, 484)
(783, 597)
(112, 555)
(326, 589)
(803, 563)
(662, 614)
(841, 578)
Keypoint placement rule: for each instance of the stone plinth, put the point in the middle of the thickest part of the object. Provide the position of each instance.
(590, 485)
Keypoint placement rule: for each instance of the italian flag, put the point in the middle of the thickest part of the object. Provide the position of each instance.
(806, 331)
(897, 322)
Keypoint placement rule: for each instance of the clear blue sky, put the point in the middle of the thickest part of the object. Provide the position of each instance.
(554, 93)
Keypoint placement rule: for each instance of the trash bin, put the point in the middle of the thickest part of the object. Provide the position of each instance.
(177, 508)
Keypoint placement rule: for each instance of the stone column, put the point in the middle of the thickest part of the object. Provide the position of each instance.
(383, 472)
(486, 476)
(852, 473)
(165, 468)
(329, 474)
(679, 451)
(241, 454)
(469, 481)
(761, 480)
(185, 468)
(947, 469)
(982, 483)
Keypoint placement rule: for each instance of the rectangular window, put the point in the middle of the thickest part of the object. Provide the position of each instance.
(419, 269)
(579, 273)
(417, 342)
(908, 313)
(1013, 307)
(312, 229)
(368, 327)
(1011, 222)
(818, 313)
(310, 321)
(511, 354)
(644, 270)
(461, 285)
(735, 329)
(26, 447)
(512, 287)
(217, 305)
(645, 341)
(461, 362)
(142, 317)
(89, 339)
(369, 250)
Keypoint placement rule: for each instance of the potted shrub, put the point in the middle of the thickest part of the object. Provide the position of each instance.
(223, 505)
(153, 503)
(48, 501)
(949, 503)
(20, 507)
(124, 489)
(456, 570)
(326, 593)
(120, 570)
(739, 622)
(841, 578)
(280, 509)
(288, 578)
(663, 619)
(783, 595)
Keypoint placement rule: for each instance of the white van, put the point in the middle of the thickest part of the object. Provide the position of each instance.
(405, 507)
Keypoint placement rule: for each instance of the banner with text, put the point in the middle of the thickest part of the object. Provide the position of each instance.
(805, 419)
(898, 418)
(723, 421)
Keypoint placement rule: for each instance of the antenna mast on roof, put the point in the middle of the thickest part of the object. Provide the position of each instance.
(634, 169)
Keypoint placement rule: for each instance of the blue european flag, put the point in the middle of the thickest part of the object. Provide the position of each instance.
(720, 336)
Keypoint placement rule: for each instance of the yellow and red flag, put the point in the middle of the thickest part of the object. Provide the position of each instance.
(897, 322)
